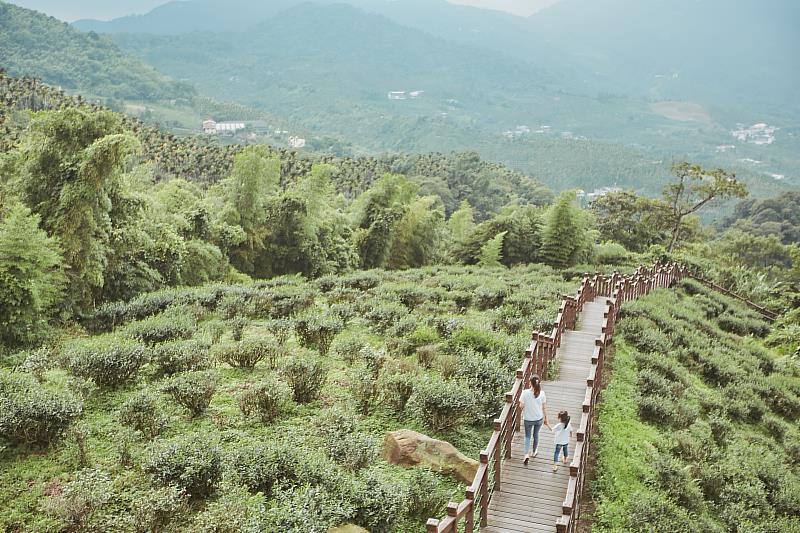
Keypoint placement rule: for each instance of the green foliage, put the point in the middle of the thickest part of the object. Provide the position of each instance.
(267, 399)
(143, 412)
(245, 353)
(778, 216)
(191, 463)
(158, 508)
(81, 498)
(31, 414)
(305, 376)
(317, 332)
(168, 326)
(491, 252)
(396, 389)
(567, 239)
(191, 390)
(635, 222)
(108, 361)
(173, 357)
(440, 404)
(235, 510)
(31, 277)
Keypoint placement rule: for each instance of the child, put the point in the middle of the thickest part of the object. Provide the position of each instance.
(562, 432)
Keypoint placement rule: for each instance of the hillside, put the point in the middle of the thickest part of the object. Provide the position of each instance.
(698, 424)
(34, 44)
(329, 69)
(745, 61)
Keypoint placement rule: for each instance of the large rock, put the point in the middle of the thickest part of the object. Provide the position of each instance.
(409, 448)
(348, 528)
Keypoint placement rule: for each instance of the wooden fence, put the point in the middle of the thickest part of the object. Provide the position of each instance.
(543, 349)
(760, 309)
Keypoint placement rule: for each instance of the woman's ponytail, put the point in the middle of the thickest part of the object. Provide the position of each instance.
(536, 385)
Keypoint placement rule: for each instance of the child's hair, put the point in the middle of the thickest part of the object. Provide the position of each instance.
(536, 385)
(563, 416)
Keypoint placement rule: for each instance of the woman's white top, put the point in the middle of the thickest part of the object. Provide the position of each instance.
(531, 405)
(561, 432)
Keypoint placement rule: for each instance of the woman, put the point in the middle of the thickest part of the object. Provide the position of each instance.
(533, 402)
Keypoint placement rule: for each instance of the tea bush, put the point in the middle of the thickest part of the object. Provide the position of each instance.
(143, 412)
(192, 390)
(246, 353)
(395, 390)
(167, 326)
(81, 498)
(108, 361)
(305, 376)
(31, 414)
(191, 463)
(440, 404)
(267, 399)
(179, 356)
(317, 332)
(235, 510)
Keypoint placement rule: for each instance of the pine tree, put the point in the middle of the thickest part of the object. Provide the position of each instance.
(31, 278)
(564, 232)
(492, 251)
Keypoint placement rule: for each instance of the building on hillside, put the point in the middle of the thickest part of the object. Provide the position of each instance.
(296, 142)
(397, 95)
(211, 127)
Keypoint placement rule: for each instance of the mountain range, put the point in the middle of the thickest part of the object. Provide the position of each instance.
(569, 94)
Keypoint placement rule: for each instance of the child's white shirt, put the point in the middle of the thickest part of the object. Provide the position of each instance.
(561, 432)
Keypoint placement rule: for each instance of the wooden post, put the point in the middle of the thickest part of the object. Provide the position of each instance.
(484, 458)
(469, 517)
(496, 426)
(510, 424)
(432, 526)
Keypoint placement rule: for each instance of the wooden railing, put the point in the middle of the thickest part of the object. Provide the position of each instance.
(760, 309)
(541, 352)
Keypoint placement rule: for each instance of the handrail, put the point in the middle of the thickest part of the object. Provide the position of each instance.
(763, 311)
(540, 353)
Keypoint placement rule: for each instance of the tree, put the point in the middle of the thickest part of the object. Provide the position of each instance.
(69, 164)
(462, 222)
(567, 238)
(633, 221)
(694, 188)
(31, 276)
(491, 252)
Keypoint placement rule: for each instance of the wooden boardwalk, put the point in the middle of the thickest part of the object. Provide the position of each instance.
(530, 497)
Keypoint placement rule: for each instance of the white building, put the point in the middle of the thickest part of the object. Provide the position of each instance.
(397, 95)
(211, 127)
(296, 142)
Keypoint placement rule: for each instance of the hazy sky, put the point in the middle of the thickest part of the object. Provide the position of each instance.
(70, 10)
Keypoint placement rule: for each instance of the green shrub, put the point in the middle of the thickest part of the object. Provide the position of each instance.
(426, 355)
(309, 509)
(396, 389)
(143, 412)
(267, 399)
(167, 326)
(238, 325)
(353, 451)
(427, 495)
(246, 353)
(742, 325)
(191, 463)
(108, 361)
(363, 387)
(31, 414)
(158, 508)
(447, 365)
(362, 280)
(480, 341)
(385, 315)
(674, 478)
(489, 381)
(421, 336)
(36, 363)
(489, 296)
(192, 390)
(648, 512)
(610, 253)
(317, 332)
(179, 356)
(235, 510)
(79, 499)
(380, 500)
(305, 376)
(348, 346)
(440, 404)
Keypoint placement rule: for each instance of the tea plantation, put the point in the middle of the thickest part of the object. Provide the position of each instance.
(698, 424)
(261, 407)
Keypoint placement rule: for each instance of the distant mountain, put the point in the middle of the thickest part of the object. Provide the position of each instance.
(32, 43)
(742, 53)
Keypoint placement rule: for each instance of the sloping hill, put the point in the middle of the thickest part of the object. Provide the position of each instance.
(34, 44)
